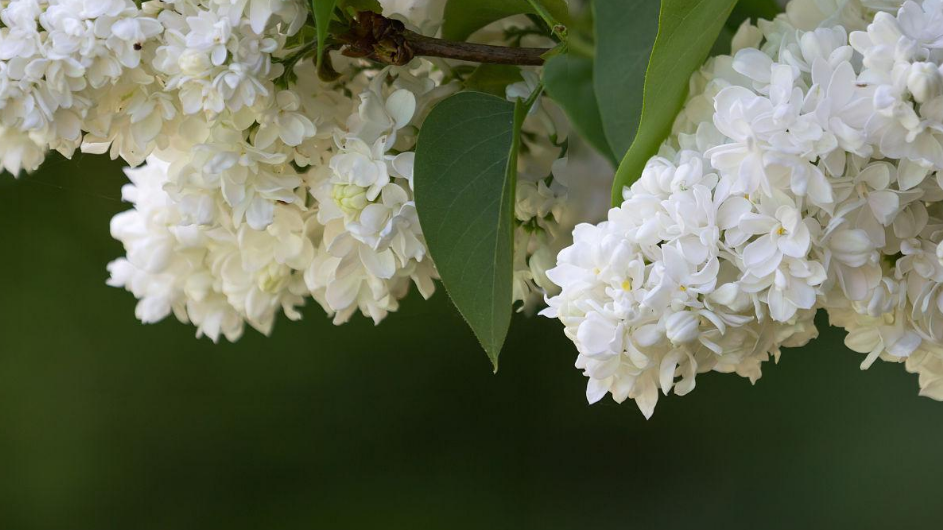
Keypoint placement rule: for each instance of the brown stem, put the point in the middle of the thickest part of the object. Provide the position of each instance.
(387, 41)
(479, 53)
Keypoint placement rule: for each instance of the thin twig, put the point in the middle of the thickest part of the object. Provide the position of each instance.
(387, 41)
(468, 51)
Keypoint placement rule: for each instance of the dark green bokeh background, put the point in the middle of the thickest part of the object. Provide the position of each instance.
(105, 423)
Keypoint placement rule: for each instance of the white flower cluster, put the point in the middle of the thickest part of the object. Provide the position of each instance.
(129, 77)
(803, 172)
(260, 187)
(344, 233)
(268, 195)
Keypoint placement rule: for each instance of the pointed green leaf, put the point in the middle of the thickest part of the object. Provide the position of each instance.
(465, 177)
(569, 81)
(687, 29)
(323, 12)
(464, 17)
(625, 33)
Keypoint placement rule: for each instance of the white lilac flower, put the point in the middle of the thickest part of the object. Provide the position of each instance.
(165, 266)
(802, 173)
(57, 59)
(372, 246)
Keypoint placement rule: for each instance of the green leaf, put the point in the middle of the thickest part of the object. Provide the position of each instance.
(464, 17)
(465, 177)
(323, 12)
(493, 78)
(686, 31)
(625, 33)
(569, 81)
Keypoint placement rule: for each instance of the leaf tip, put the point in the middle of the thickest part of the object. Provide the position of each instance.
(493, 351)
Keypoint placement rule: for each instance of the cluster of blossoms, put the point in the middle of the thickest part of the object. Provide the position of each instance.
(256, 184)
(804, 172)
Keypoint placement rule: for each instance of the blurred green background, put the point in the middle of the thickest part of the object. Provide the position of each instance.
(106, 423)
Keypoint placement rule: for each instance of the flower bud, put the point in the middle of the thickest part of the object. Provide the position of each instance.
(349, 197)
(883, 298)
(682, 327)
(540, 262)
(852, 247)
(600, 336)
(193, 63)
(273, 278)
(730, 295)
(924, 82)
